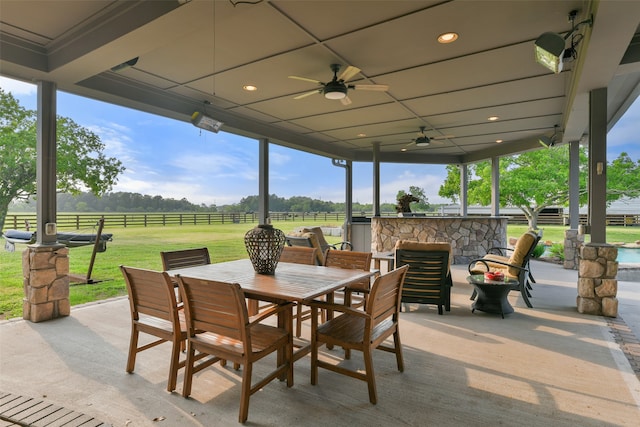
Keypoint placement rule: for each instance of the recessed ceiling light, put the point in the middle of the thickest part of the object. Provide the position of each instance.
(498, 141)
(250, 88)
(492, 118)
(361, 135)
(403, 149)
(447, 38)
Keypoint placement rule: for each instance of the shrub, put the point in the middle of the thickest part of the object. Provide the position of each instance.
(557, 251)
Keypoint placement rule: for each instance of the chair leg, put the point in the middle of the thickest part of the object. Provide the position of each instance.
(371, 379)
(188, 370)
(298, 320)
(525, 297)
(175, 364)
(314, 346)
(440, 311)
(474, 295)
(133, 349)
(246, 393)
(398, 350)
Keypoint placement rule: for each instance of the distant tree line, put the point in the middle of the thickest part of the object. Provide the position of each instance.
(135, 202)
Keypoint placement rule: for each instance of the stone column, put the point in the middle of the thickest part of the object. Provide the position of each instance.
(45, 272)
(597, 283)
(573, 241)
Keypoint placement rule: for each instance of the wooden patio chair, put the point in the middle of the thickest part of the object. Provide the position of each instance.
(516, 266)
(428, 280)
(299, 255)
(182, 258)
(218, 324)
(313, 237)
(361, 330)
(353, 260)
(155, 311)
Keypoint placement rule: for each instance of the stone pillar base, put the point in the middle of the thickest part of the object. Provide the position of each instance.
(597, 283)
(573, 241)
(45, 271)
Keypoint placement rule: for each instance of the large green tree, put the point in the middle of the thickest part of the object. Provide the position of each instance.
(538, 179)
(81, 163)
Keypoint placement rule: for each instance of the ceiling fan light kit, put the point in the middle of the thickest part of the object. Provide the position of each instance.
(423, 141)
(337, 88)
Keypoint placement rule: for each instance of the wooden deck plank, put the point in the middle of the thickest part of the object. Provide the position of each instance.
(16, 406)
(66, 421)
(20, 411)
(42, 413)
(52, 417)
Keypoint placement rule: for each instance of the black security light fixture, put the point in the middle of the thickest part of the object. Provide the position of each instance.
(124, 65)
(549, 141)
(550, 47)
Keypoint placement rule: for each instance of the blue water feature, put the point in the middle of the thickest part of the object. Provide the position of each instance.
(628, 256)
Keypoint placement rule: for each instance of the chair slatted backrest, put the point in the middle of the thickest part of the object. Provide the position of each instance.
(172, 260)
(217, 307)
(385, 296)
(352, 260)
(299, 255)
(151, 293)
(428, 270)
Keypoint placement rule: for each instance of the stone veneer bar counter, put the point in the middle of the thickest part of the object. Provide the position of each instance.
(470, 237)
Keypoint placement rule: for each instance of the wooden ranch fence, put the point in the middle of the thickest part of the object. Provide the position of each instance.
(82, 221)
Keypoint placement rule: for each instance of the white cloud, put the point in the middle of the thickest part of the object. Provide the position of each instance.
(17, 87)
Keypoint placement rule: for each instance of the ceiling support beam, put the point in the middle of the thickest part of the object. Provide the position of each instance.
(495, 186)
(464, 189)
(574, 185)
(263, 182)
(598, 165)
(376, 179)
(46, 164)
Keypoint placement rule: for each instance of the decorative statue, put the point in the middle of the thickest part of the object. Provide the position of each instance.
(404, 202)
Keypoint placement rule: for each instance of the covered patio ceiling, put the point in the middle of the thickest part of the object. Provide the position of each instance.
(197, 55)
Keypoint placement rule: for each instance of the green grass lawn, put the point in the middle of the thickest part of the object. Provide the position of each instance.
(140, 247)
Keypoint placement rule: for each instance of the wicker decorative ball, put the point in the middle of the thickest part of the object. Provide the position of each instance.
(264, 245)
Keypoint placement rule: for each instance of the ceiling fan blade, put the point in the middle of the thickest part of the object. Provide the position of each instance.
(442, 137)
(346, 100)
(304, 95)
(348, 73)
(381, 88)
(304, 79)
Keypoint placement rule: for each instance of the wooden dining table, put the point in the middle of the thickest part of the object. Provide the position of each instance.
(291, 282)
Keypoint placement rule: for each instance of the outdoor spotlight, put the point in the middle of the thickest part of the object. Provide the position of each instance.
(550, 46)
(205, 122)
(547, 142)
(127, 64)
(550, 50)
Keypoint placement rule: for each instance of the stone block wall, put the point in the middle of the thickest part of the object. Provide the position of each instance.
(46, 283)
(470, 237)
(597, 283)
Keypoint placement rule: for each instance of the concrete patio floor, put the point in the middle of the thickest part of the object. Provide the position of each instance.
(543, 366)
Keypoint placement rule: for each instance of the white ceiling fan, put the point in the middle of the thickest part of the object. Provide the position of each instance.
(338, 87)
(422, 140)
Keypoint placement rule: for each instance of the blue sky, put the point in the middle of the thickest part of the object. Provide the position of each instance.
(223, 168)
